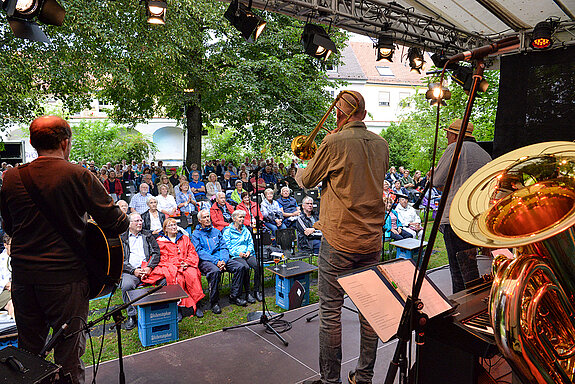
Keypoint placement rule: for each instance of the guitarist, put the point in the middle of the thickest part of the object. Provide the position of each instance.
(49, 277)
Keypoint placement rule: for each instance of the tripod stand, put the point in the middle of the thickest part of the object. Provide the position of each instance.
(265, 317)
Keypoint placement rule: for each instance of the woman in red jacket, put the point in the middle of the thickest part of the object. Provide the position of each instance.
(179, 264)
(113, 185)
(252, 210)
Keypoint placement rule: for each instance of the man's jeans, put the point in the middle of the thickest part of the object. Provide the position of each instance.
(333, 263)
(462, 264)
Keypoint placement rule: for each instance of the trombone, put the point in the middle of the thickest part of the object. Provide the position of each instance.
(304, 147)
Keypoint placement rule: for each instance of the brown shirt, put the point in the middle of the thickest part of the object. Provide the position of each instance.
(352, 164)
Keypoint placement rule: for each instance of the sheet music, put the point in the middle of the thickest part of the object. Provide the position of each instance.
(375, 301)
(401, 273)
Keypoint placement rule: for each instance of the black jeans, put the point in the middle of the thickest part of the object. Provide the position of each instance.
(462, 264)
(214, 275)
(249, 263)
(40, 307)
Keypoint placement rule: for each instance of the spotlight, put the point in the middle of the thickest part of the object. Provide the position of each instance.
(439, 61)
(384, 47)
(156, 11)
(437, 92)
(316, 42)
(541, 36)
(464, 77)
(245, 20)
(415, 58)
(21, 15)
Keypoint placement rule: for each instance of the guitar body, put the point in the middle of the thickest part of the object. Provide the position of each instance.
(107, 254)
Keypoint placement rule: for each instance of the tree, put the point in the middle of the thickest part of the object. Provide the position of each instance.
(413, 137)
(107, 50)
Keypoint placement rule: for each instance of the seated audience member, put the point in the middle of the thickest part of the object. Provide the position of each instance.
(209, 168)
(276, 172)
(386, 190)
(123, 205)
(231, 170)
(165, 180)
(219, 168)
(174, 178)
(409, 217)
(408, 183)
(236, 195)
(213, 186)
(308, 238)
(185, 199)
(221, 212)
(194, 168)
(398, 189)
(129, 174)
(282, 170)
(241, 248)
(419, 181)
(261, 183)
(113, 185)
(197, 186)
(392, 176)
(103, 175)
(181, 178)
(246, 185)
(153, 218)
(214, 259)
(268, 175)
(228, 184)
(6, 278)
(166, 203)
(290, 182)
(393, 227)
(251, 209)
(272, 212)
(147, 179)
(179, 265)
(141, 255)
(139, 202)
(289, 206)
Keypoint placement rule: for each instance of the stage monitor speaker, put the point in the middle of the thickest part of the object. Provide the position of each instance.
(536, 99)
(20, 367)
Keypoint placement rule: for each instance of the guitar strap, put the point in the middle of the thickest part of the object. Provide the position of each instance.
(53, 218)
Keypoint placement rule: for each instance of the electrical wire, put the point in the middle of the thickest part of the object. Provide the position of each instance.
(96, 365)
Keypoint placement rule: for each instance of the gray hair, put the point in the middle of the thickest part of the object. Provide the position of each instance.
(150, 199)
(133, 214)
(237, 213)
(268, 190)
(306, 199)
(203, 210)
(286, 187)
(220, 194)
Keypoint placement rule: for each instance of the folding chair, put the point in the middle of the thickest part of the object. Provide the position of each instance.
(285, 239)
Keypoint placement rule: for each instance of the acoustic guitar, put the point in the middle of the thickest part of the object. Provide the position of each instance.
(107, 259)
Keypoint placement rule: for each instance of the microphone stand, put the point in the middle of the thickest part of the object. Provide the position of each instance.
(116, 314)
(413, 317)
(264, 319)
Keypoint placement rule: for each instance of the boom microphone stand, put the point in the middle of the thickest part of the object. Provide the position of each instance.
(264, 319)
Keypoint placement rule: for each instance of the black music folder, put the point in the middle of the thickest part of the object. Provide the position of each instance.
(380, 291)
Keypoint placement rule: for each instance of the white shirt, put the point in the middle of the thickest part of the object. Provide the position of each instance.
(155, 222)
(166, 203)
(5, 274)
(136, 249)
(407, 215)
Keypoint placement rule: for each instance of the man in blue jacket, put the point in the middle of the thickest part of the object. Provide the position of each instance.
(214, 259)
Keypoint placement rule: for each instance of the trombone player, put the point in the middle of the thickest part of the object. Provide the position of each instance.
(351, 164)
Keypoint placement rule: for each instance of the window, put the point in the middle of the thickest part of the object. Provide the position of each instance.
(331, 68)
(384, 99)
(403, 96)
(385, 71)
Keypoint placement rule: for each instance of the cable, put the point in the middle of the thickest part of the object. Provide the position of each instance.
(279, 325)
(96, 365)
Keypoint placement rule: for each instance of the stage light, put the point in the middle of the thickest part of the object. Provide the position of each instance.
(436, 92)
(541, 36)
(464, 76)
(21, 15)
(415, 58)
(156, 11)
(316, 42)
(245, 20)
(384, 47)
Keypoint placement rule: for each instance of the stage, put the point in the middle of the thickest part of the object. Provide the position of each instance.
(250, 355)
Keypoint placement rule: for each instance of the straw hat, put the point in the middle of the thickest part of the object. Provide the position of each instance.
(455, 127)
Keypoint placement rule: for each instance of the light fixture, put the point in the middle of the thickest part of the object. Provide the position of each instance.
(22, 13)
(541, 36)
(415, 58)
(316, 42)
(384, 47)
(245, 20)
(463, 76)
(156, 11)
(437, 92)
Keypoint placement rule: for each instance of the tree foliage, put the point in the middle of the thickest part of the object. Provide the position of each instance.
(412, 138)
(105, 49)
(103, 142)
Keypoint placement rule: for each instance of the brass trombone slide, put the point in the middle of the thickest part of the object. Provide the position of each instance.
(304, 147)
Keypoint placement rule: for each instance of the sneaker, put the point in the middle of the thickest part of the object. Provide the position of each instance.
(199, 313)
(250, 299)
(216, 309)
(259, 296)
(131, 323)
(351, 377)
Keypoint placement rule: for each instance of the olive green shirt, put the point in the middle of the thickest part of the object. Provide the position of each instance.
(352, 164)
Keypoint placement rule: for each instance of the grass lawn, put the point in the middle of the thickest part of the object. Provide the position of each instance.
(231, 315)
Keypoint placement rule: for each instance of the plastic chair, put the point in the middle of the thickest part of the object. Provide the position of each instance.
(285, 239)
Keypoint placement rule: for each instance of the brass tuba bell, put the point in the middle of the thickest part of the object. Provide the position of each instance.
(525, 200)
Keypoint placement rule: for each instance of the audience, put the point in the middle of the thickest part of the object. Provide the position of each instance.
(141, 256)
(246, 185)
(393, 226)
(153, 218)
(409, 218)
(113, 185)
(165, 180)
(228, 184)
(139, 202)
(221, 212)
(185, 198)
(197, 186)
(6, 278)
(289, 206)
(241, 249)
(123, 205)
(166, 203)
(308, 238)
(236, 195)
(252, 211)
(272, 212)
(213, 186)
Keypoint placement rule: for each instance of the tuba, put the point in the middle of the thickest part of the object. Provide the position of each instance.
(525, 200)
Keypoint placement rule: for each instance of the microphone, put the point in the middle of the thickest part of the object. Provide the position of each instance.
(486, 50)
(53, 340)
